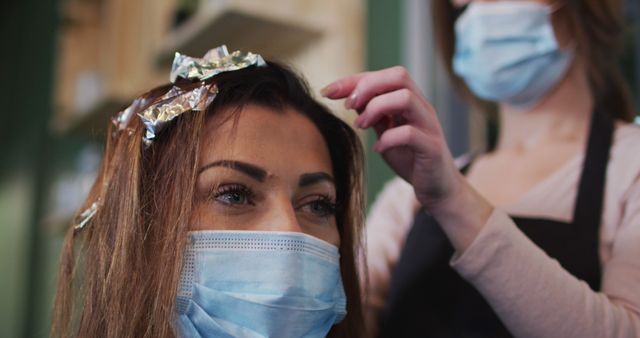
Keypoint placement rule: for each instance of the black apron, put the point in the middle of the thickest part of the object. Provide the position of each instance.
(427, 298)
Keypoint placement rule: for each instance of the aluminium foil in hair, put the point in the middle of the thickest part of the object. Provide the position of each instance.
(177, 101)
(121, 121)
(215, 61)
(172, 104)
(86, 216)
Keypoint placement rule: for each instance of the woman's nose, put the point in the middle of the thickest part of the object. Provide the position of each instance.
(282, 216)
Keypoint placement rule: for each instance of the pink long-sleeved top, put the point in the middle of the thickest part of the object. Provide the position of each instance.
(533, 295)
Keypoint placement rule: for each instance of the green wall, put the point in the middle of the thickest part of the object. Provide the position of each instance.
(384, 49)
(27, 35)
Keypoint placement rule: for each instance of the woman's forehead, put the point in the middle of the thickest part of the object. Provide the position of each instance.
(269, 138)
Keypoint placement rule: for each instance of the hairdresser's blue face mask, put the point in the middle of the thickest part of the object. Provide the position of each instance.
(259, 284)
(506, 51)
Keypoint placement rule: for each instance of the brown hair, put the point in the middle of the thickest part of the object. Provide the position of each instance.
(119, 275)
(597, 29)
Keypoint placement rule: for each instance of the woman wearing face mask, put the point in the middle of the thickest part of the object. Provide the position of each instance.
(540, 237)
(227, 205)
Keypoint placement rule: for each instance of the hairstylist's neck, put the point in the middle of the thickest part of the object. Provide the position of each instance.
(562, 116)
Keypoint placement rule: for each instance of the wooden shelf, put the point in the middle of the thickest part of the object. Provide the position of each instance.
(91, 123)
(239, 30)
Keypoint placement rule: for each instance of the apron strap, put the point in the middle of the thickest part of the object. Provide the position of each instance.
(590, 197)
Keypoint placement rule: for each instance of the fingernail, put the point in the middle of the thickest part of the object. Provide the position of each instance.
(354, 99)
(328, 90)
(350, 102)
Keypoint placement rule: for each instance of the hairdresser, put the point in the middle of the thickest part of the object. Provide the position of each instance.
(539, 237)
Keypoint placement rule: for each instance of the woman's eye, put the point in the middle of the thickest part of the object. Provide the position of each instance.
(322, 207)
(234, 195)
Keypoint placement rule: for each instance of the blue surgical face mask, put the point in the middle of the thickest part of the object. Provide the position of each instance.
(507, 52)
(259, 284)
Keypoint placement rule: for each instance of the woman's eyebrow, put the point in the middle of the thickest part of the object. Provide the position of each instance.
(313, 178)
(250, 170)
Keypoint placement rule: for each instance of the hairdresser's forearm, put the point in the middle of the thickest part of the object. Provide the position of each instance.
(462, 214)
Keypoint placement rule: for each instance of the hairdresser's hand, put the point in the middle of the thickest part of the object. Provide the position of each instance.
(411, 141)
(409, 134)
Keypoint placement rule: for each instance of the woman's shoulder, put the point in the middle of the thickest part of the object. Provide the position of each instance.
(626, 134)
(626, 143)
(624, 161)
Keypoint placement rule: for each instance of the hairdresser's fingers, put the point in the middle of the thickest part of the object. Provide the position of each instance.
(382, 125)
(343, 87)
(403, 136)
(401, 107)
(421, 159)
(360, 88)
(401, 147)
(381, 82)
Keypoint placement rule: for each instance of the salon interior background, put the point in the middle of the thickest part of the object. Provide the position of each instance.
(68, 64)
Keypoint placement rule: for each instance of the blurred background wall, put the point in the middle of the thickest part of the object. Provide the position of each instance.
(69, 65)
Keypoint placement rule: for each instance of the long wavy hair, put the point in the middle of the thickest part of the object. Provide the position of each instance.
(119, 275)
(596, 27)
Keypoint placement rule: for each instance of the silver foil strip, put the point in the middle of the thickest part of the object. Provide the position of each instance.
(121, 121)
(173, 104)
(86, 216)
(216, 61)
